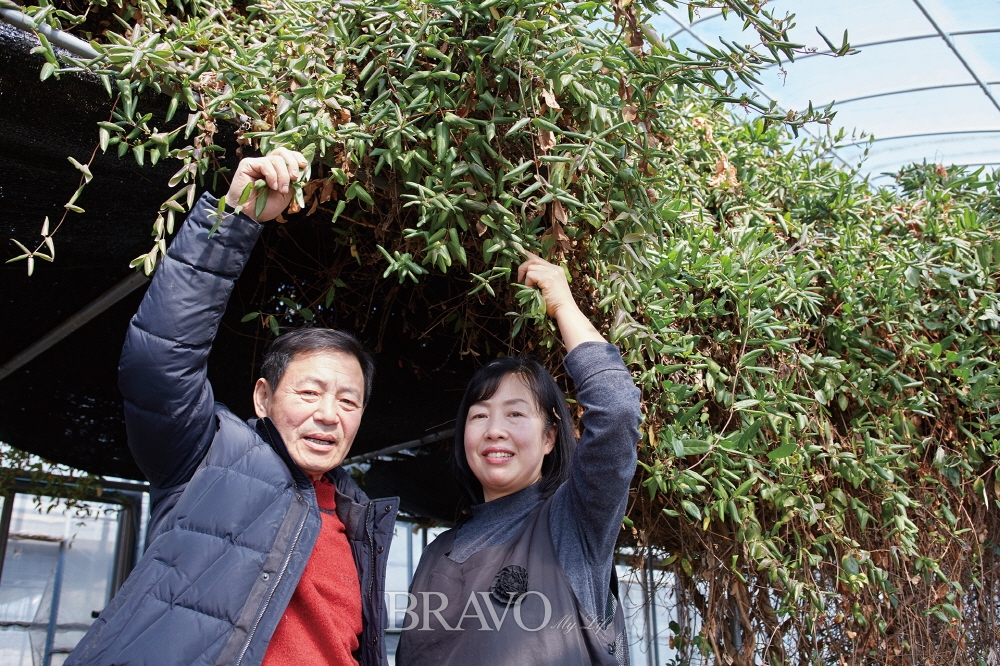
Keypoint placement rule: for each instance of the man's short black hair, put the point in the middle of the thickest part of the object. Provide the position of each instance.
(551, 403)
(311, 340)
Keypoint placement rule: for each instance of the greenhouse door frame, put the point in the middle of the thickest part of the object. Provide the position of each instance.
(128, 496)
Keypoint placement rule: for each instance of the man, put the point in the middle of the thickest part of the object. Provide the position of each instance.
(260, 548)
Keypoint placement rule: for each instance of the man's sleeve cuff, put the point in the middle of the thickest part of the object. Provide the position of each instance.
(222, 251)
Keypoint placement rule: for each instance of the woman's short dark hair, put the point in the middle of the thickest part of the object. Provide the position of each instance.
(551, 405)
(286, 347)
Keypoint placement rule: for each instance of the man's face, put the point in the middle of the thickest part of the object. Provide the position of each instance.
(316, 407)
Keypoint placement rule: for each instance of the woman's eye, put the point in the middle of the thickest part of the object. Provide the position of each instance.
(516, 414)
(476, 416)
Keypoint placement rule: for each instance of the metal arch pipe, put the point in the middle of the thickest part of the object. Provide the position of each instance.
(921, 135)
(958, 54)
(66, 41)
(879, 42)
(890, 93)
(396, 448)
(756, 87)
(81, 317)
(58, 38)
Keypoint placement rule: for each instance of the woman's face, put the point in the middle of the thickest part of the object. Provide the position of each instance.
(506, 439)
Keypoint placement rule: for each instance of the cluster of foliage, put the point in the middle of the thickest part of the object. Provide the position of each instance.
(824, 409)
(818, 360)
(53, 486)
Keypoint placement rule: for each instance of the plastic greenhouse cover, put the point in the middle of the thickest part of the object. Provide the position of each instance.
(921, 93)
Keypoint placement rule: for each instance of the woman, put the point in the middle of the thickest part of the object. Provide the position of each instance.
(529, 578)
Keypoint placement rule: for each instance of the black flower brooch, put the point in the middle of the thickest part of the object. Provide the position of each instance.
(509, 584)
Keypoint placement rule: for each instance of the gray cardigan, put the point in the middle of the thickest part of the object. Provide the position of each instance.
(587, 511)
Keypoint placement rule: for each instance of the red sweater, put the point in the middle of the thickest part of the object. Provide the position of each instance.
(322, 622)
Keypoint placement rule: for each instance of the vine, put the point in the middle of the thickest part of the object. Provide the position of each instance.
(818, 358)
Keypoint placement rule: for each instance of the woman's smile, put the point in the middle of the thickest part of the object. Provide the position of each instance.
(497, 456)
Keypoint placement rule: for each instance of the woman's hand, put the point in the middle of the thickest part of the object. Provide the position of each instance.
(278, 169)
(574, 327)
(550, 279)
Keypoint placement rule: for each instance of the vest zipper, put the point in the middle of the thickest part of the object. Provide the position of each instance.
(371, 549)
(277, 581)
(375, 624)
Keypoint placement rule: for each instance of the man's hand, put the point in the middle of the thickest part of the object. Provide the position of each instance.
(278, 169)
(551, 280)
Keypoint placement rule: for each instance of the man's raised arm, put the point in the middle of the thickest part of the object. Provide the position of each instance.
(169, 404)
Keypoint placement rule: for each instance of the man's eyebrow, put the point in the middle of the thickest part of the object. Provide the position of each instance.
(310, 379)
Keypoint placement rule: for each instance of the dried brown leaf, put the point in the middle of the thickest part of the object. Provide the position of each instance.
(546, 140)
(557, 218)
(327, 192)
(725, 174)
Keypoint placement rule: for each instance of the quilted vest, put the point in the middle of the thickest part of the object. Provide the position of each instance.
(226, 554)
(507, 605)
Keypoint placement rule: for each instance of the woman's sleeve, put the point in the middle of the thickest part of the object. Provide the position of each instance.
(587, 510)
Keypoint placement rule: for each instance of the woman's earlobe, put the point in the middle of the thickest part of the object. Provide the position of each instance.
(550, 439)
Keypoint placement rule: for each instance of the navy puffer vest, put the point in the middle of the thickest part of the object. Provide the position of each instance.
(233, 520)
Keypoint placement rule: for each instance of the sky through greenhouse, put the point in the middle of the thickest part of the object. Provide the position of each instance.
(925, 83)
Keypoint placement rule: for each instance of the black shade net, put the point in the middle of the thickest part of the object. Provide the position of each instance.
(64, 405)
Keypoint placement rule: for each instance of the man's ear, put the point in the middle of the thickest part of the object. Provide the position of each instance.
(261, 397)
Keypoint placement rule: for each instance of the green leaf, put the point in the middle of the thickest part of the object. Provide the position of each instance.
(696, 447)
(979, 489)
(82, 168)
(689, 414)
(783, 451)
(518, 126)
(341, 205)
(250, 316)
(172, 108)
(691, 508)
(749, 434)
(260, 203)
(745, 486)
(357, 190)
